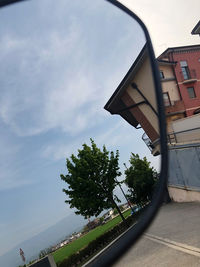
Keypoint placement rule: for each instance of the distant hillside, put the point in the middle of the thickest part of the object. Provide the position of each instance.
(45, 239)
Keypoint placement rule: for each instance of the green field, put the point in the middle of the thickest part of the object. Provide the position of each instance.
(83, 241)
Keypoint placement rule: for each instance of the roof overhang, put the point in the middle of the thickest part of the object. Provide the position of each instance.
(179, 49)
(165, 62)
(196, 29)
(115, 103)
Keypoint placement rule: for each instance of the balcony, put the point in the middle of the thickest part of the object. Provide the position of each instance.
(189, 136)
(176, 107)
(153, 146)
(188, 75)
(185, 131)
(186, 136)
(147, 141)
(167, 79)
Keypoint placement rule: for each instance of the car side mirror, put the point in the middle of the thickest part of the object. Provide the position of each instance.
(67, 65)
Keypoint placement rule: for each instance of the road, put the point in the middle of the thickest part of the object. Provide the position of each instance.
(172, 240)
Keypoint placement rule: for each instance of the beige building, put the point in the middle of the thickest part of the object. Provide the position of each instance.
(134, 100)
(183, 139)
(174, 106)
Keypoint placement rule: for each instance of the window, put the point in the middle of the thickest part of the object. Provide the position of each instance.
(191, 92)
(185, 70)
(166, 99)
(162, 74)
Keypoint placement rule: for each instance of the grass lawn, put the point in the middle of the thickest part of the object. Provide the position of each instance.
(83, 241)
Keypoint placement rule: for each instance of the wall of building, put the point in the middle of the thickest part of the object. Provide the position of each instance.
(143, 113)
(193, 60)
(176, 109)
(167, 70)
(187, 130)
(181, 195)
(170, 119)
(171, 88)
(187, 123)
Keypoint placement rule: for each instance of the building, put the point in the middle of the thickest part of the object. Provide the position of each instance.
(109, 215)
(180, 77)
(196, 29)
(174, 105)
(135, 101)
(185, 62)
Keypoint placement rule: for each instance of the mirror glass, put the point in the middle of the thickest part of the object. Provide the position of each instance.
(66, 66)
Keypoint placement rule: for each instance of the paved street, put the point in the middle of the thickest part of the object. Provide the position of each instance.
(172, 240)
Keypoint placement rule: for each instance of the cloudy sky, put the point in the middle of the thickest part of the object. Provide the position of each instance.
(59, 66)
(169, 23)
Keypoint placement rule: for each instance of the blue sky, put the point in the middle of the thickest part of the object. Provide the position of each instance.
(59, 66)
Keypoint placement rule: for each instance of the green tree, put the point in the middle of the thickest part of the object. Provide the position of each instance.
(91, 179)
(44, 252)
(140, 178)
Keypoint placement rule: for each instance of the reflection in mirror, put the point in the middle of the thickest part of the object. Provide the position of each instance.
(61, 64)
(179, 84)
(179, 79)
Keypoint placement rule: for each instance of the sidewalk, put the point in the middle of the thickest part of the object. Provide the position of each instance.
(172, 240)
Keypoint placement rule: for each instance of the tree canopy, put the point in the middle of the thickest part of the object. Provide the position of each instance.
(91, 179)
(140, 177)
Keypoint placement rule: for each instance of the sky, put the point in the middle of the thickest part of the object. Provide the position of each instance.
(58, 72)
(169, 23)
(59, 66)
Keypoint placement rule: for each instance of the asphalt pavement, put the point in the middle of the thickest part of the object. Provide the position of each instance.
(172, 240)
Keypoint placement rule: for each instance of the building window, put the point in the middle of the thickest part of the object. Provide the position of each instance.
(185, 70)
(191, 92)
(166, 99)
(162, 74)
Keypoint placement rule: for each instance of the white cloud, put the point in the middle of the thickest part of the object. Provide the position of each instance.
(58, 80)
(65, 94)
(36, 80)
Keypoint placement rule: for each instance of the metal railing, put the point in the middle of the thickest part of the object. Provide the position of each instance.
(185, 136)
(190, 75)
(148, 141)
(181, 137)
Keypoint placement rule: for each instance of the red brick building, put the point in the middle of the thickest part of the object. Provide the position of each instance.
(187, 74)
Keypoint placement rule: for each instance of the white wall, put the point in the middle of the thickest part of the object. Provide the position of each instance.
(188, 123)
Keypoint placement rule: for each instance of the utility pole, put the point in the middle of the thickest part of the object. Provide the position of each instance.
(125, 196)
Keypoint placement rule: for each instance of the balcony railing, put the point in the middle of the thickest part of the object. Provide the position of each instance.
(186, 136)
(183, 137)
(153, 146)
(175, 107)
(189, 75)
(147, 141)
